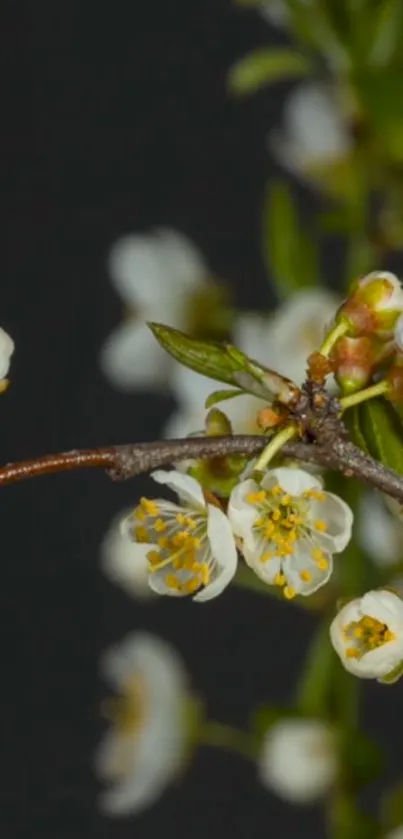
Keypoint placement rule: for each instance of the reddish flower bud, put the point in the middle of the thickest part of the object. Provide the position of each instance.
(374, 306)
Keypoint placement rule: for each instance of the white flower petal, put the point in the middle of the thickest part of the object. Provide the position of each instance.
(132, 358)
(187, 488)
(124, 561)
(298, 759)
(291, 480)
(385, 606)
(224, 551)
(183, 260)
(242, 515)
(302, 561)
(339, 520)
(266, 571)
(378, 531)
(6, 350)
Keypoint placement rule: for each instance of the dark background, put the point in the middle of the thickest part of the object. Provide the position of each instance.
(116, 119)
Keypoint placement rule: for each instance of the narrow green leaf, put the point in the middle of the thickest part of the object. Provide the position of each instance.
(266, 66)
(220, 396)
(383, 432)
(361, 759)
(290, 256)
(387, 32)
(380, 92)
(352, 420)
(224, 363)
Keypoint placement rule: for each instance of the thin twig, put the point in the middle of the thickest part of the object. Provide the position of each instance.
(127, 461)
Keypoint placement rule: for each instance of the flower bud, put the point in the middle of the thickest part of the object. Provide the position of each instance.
(217, 423)
(356, 359)
(373, 307)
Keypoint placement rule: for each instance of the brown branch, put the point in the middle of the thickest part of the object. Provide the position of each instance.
(127, 461)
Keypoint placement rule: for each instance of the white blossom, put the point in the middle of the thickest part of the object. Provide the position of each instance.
(298, 760)
(367, 634)
(6, 351)
(282, 341)
(145, 746)
(188, 547)
(314, 132)
(117, 560)
(156, 276)
(378, 531)
(290, 528)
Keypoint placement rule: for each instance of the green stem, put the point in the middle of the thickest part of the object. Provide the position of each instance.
(221, 736)
(362, 395)
(331, 339)
(315, 681)
(274, 446)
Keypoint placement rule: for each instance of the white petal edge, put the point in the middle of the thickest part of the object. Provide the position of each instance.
(186, 487)
(291, 480)
(223, 548)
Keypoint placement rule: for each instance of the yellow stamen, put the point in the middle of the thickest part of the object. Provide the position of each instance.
(256, 497)
(321, 525)
(151, 507)
(266, 556)
(314, 494)
(141, 534)
(279, 580)
(160, 525)
(305, 576)
(163, 542)
(276, 515)
(191, 586)
(320, 559)
(172, 582)
(352, 652)
(289, 592)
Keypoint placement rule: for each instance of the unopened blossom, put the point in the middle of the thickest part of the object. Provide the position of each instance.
(156, 276)
(367, 635)
(6, 351)
(189, 547)
(298, 759)
(146, 744)
(374, 306)
(314, 135)
(290, 527)
(117, 560)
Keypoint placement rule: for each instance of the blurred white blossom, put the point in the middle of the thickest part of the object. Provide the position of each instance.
(298, 760)
(314, 131)
(277, 12)
(6, 351)
(378, 531)
(367, 634)
(145, 746)
(290, 528)
(189, 548)
(117, 560)
(156, 276)
(282, 341)
(397, 833)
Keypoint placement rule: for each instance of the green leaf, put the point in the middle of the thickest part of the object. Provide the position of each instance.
(220, 396)
(380, 92)
(315, 681)
(266, 66)
(291, 257)
(387, 32)
(352, 421)
(225, 363)
(382, 432)
(361, 759)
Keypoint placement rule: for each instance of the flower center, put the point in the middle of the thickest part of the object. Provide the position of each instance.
(128, 710)
(179, 544)
(282, 523)
(365, 635)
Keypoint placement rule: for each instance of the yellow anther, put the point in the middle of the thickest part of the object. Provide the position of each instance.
(276, 490)
(292, 537)
(141, 534)
(285, 500)
(266, 556)
(154, 557)
(289, 592)
(276, 515)
(205, 574)
(305, 576)
(389, 636)
(163, 542)
(160, 525)
(358, 632)
(179, 538)
(191, 586)
(139, 514)
(269, 529)
(352, 652)
(314, 494)
(256, 497)
(320, 525)
(319, 557)
(151, 507)
(279, 580)
(172, 582)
